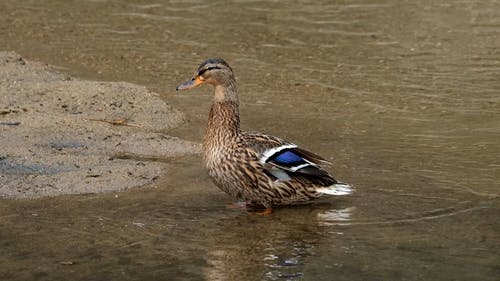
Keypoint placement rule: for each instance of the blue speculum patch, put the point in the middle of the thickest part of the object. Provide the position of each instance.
(288, 157)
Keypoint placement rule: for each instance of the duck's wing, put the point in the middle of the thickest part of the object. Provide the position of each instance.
(284, 159)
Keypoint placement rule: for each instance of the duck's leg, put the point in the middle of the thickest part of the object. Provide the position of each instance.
(266, 212)
(237, 205)
(250, 208)
(255, 208)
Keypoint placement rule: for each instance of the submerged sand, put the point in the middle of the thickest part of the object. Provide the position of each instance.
(61, 135)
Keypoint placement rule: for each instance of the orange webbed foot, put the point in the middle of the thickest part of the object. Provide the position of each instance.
(265, 212)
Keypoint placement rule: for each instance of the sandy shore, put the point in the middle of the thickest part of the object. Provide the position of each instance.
(61, 135)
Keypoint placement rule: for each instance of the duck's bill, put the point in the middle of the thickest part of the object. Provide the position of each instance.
(189, 84)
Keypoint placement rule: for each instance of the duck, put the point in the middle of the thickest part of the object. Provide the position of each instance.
(261, 170)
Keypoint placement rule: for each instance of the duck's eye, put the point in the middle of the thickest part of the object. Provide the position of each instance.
(207, 69)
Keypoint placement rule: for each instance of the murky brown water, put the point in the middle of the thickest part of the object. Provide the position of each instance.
(404, 98)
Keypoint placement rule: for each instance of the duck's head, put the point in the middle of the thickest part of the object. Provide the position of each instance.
(212, 71)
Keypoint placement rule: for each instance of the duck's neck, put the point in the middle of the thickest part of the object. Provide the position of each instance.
(224, 118)
(226, 92)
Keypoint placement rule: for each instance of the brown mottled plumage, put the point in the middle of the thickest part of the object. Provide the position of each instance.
(258, 168)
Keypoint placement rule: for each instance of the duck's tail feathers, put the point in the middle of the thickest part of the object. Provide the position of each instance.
(337, 189)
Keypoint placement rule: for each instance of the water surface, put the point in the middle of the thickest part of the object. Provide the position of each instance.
(402, 96)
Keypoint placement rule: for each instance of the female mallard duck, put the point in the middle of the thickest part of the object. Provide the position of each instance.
(260, 169)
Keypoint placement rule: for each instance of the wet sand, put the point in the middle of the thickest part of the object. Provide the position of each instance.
(62, 135)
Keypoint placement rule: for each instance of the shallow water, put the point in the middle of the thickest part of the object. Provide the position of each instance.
(403, 97)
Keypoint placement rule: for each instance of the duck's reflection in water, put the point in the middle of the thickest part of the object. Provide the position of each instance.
(276, 247)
